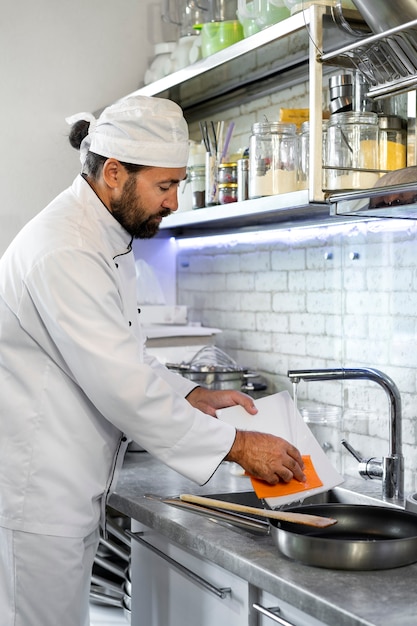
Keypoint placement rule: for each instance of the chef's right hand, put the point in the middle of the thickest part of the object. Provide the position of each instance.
(267, 457)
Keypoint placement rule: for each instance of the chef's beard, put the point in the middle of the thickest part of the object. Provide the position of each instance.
(132, 216)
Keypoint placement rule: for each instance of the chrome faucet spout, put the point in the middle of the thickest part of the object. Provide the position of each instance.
(392, 466)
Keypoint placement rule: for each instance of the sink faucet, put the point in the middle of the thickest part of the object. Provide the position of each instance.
(389, 469)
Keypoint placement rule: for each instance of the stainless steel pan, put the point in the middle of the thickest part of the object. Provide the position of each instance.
(217, 378)
(364, 538)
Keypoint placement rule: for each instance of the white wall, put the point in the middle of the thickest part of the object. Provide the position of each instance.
(59, 57)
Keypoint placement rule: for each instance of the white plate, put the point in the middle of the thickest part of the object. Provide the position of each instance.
(277, 415)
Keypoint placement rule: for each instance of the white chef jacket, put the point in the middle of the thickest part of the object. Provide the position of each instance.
(74, 375)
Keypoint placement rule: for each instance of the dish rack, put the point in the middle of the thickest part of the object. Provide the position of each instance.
(387, 60)
(110, 579)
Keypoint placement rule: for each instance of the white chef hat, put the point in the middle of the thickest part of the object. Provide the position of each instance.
(141, 130)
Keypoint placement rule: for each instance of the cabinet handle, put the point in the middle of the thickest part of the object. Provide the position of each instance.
(272, 616)
(221, 592)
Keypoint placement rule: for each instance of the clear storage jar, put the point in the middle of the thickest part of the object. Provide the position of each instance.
(351, 159)
(197, 176)
(392, 142)
(304, 153)
(272, 159)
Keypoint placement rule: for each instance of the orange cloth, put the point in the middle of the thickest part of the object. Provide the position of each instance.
(264, 490)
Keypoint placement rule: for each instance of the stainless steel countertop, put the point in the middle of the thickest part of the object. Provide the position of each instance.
(338, 598)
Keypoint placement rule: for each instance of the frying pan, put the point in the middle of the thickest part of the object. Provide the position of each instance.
(364, 538)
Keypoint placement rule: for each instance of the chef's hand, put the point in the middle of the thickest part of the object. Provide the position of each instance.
(209, 400)
(267, 457)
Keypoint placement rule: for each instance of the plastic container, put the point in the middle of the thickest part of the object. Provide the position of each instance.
(216, 36)
(352, 160)
(272, 159)
(258, 14)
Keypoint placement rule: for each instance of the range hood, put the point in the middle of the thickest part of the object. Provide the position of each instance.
(394, 201)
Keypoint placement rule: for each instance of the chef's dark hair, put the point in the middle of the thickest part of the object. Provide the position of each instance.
(94, 162)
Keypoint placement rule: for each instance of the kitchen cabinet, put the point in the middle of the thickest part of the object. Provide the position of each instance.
(304, 46)
(172, 587)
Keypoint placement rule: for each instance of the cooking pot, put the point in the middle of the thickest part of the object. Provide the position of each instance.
(364, 538)
(217, 377)
(214, 369)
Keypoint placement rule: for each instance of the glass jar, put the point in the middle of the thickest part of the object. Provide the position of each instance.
(212, 183)
(272, 159)
(351, 159)
(304, 153)
(227, 193)
(304, 156)
(227, 173)
(392, 142)
(197, 175)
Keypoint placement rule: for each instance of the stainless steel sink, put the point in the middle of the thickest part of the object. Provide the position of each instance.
(353, 492)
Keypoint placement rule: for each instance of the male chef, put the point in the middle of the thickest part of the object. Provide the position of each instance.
(76, 383)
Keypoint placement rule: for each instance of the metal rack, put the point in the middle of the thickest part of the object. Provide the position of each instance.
(388, 60)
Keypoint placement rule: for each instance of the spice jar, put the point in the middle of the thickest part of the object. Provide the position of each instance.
(392, 142)
(227, 173)
(352, 151)
(272, 159)
(227, 193)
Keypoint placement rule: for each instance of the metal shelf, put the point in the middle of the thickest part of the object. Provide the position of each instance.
(298, 46)
(393, 201)
(281, 210)
(221, 62)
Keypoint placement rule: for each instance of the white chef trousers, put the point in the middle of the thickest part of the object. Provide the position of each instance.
(45, 580)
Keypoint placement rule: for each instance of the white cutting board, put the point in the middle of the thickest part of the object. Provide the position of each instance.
(277, 415)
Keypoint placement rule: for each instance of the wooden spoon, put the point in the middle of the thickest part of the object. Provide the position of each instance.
(284, 516)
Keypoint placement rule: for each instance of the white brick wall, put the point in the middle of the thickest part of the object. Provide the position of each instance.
(283, 305)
